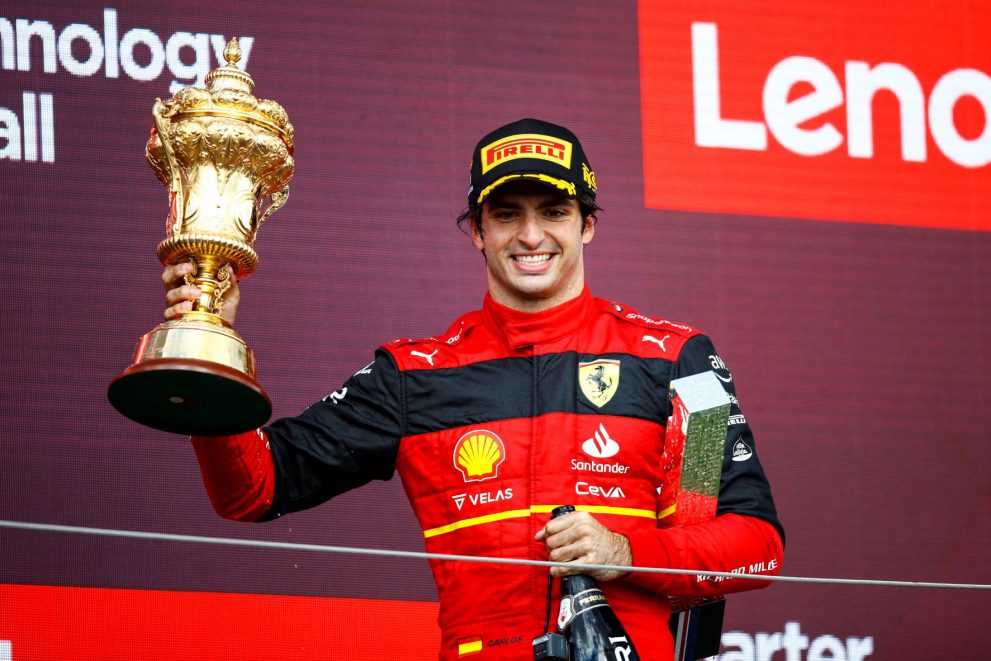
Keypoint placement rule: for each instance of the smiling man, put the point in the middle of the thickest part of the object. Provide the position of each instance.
(545, 396)
(532, 239)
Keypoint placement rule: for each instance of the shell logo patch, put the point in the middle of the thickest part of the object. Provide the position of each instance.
(478, 455)
(599, 380)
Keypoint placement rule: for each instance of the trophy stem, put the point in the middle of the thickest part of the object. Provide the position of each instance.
(210, 282)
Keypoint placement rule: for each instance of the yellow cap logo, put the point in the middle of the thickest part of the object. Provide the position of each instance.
(526, 145)
(478, 455)
(588, 176)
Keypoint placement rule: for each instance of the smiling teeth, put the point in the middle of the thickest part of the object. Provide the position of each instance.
(532, 259)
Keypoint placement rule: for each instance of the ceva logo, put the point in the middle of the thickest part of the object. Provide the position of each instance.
(850, 110)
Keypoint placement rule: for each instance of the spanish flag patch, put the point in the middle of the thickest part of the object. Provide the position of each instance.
(469, 646)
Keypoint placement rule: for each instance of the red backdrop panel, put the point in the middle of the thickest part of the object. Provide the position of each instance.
(720, 137)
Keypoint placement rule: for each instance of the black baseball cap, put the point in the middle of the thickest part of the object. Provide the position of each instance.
(530, 149)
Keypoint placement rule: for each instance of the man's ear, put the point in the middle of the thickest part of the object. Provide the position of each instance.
(476, 237)
(589, 230)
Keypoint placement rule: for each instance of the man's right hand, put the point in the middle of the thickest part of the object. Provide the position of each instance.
(181, 297)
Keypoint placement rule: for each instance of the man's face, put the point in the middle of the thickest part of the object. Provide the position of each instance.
(532, 239)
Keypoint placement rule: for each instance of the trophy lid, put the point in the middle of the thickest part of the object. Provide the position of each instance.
(246, 134)
(229, 94)
(229, 76)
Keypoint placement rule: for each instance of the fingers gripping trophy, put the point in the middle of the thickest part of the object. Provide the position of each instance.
(226, 159)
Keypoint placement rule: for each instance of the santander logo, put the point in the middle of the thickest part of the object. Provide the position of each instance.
(600, 446)
(852, 110)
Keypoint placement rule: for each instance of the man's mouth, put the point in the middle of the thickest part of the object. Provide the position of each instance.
(532, 259)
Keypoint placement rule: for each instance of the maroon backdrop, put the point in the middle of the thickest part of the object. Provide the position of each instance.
(860, 350)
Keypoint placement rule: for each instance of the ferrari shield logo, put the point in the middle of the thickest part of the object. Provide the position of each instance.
(599, 380)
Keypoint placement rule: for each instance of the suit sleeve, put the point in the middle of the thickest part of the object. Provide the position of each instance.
(343, 441)
(745, 536)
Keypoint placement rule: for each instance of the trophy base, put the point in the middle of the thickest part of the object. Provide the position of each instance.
(192, 375)
(189, 396)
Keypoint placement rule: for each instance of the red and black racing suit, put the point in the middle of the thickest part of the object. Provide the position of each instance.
(491, 426)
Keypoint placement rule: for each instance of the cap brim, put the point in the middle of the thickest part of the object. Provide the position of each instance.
(565, 187)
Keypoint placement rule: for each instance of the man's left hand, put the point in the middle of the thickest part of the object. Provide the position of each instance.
(578, 537)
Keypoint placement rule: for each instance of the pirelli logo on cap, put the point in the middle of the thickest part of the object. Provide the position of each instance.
(526, 145)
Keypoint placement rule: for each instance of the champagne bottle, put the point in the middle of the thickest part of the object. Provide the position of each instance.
(585, 617)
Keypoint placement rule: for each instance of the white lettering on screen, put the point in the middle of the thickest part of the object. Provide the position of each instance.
(141, 53)
(784, 117)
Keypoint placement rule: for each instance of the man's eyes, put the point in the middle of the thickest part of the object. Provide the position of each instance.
(508, 215)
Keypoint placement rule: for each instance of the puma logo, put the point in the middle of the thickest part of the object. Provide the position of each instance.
(427, 357)
(660, 342)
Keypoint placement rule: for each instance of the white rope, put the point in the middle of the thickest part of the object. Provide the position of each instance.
(291, 546)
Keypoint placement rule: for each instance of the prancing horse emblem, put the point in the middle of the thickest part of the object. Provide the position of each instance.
(599, 380)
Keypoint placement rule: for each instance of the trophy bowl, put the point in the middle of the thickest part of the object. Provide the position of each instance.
(226, 159)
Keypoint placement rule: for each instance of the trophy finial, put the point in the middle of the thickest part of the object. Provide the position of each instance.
(228, 76)
(233, 52)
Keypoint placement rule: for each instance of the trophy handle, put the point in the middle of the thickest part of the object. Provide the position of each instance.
(279, 198)
(178, 205)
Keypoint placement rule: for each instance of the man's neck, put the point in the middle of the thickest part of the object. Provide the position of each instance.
(533, 305)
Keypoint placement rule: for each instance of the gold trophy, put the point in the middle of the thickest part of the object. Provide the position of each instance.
(226, 159)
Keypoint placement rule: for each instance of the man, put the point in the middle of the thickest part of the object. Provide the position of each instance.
(545, 396)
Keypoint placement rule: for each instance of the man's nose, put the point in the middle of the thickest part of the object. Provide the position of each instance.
(531, 232)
